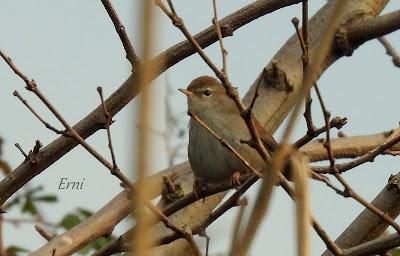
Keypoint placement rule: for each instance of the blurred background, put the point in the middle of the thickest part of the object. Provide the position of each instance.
(71, 47)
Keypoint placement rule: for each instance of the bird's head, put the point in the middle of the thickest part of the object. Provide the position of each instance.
(206, 94)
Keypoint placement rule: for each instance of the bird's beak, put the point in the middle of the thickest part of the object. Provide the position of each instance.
(188, 93)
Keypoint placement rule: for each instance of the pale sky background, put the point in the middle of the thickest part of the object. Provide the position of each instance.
(70, 47)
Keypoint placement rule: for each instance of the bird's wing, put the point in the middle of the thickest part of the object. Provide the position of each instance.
(266, 137)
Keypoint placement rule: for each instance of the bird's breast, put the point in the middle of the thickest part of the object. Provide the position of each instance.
(210, 160)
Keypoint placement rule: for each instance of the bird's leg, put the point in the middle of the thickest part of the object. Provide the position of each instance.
(235, 179)
(199, 188)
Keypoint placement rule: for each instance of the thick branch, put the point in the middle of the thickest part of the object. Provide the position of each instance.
(373, 28)
(376, 246)
(101, 223)
(367, 225)
(228, 25)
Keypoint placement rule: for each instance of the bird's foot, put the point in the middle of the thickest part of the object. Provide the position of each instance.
(235, 180)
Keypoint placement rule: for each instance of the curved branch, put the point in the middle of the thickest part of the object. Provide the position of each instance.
(373, 28)
(367, 225)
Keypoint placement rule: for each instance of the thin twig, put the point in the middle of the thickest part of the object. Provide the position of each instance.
(255, 96)
(21, 150)
(336, 122)
(347, 188)
(304, 20)
(44, 232)
(46, 124)
(224, 52)
(108, 121)
(120, 28)
(390, 50)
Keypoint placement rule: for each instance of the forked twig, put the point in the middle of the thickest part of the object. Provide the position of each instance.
(224, 52)
(348, 191)
(46, 124)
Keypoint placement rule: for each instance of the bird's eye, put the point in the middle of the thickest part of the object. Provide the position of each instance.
(207, 92)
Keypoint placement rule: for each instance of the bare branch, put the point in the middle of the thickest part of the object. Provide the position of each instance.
(46, 124)
(350, 37)
(120, 28)
(390, 50)
(108, 119)
(392, 140)
(369, 226)
(44, 232)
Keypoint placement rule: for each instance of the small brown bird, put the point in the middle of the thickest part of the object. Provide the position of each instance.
(211, 162)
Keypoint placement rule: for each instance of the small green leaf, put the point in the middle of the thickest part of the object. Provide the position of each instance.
(32, 191)
(46, 198)
(101, 242)
(29, 207)
(85, 250)
(70, 220)
(14, 250)
(85, 213)
(96, 245)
